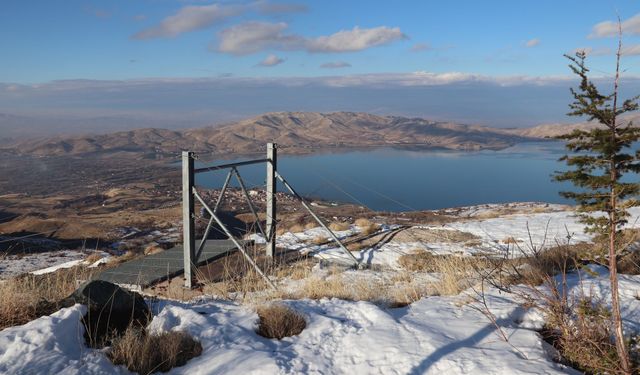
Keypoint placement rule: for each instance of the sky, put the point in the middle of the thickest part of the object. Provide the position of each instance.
(179, 63)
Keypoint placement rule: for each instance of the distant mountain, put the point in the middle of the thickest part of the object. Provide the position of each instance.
(295, 132)
(554, 130)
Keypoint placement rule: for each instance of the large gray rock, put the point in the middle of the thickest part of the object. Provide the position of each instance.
(110, 310)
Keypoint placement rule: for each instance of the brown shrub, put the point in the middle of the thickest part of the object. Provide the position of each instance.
(278, 321)
(320, 240)
(339, 226)
(366, 226)
(417, 260)
(296, 228)
(28, 297)
(355, 246)
(456, 273)
(92, 258)
(148, 353)
(152, 248)
(129, 255)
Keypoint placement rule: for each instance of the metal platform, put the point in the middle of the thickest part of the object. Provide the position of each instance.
(154, 268)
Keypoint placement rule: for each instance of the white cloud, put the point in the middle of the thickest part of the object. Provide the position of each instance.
(190, 18)
(254, 36)
(196, 17)
(590, 51)
(610, 28)
(356, 39)
(419, 47)
(632, 50)
(532, 43)
(336, 65)
(271, 60)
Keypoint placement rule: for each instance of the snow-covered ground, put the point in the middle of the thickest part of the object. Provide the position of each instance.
(434, 335)
(13, 265)
(513, 233)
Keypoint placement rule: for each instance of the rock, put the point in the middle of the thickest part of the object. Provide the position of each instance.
(110, 310)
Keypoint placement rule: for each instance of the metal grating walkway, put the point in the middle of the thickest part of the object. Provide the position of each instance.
(153, 268)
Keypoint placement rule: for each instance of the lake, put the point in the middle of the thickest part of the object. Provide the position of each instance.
(400, 180)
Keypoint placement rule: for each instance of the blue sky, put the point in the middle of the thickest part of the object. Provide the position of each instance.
(336, 44)
(71, 39)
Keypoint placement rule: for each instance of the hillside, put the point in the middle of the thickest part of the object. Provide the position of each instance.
(295, 132)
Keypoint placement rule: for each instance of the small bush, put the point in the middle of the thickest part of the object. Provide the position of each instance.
(320, 240)
(92, 258)
(278, 321)
(28, 297)
(417, 260)
(366, 226)
(146, 353)
(581, 330)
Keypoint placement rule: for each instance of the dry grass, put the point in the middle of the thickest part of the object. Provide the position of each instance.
(28, 297)
(152, 248)
(400, 290)
(356, 246)
(296, 228)
(456, 273)
(339, 226)
(129, 255)
(320, 240)
(92, 258)
(278, 321)
(311, 225)
(630, 263)
(295, 271)
(366, 226)
(147, 353)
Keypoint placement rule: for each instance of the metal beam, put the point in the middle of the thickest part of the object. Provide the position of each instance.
(317, 218)
(272, 167)
(188, 215)
(225, 166)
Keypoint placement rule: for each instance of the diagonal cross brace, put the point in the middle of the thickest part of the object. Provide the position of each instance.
(234, 240)
(317, 218)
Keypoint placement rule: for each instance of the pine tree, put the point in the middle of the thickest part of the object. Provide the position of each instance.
(600, 159)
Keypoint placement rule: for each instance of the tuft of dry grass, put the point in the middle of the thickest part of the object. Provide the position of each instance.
(456, 273)
(366, 226)
(320, 240)
(93, 257)
(129, 255)
(28, 296)
(356, 246)
(147, 353)
(152, 248)
(339, 226)
(296, 228)
(311, 225)
(278, 321)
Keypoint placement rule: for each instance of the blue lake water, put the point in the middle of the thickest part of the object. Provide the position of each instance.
(401, 180)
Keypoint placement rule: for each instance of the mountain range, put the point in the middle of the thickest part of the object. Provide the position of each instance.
(295, 133)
